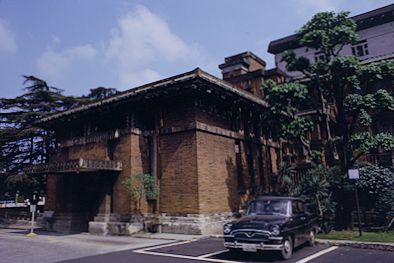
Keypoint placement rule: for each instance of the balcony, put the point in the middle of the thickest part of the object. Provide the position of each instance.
(75, 166)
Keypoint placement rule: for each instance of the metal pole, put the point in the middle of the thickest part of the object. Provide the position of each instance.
(358, 209)
(32, 222)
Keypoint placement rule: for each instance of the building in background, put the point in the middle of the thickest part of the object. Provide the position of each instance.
(376, 43)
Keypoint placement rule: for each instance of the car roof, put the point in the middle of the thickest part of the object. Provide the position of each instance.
(279, 198)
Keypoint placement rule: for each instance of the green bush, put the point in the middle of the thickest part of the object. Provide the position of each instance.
(376, 187)
(315, 187)
(141, 186)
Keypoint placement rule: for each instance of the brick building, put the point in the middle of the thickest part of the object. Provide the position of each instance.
(200, 136)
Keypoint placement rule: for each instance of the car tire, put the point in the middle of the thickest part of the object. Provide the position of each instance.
(311, 238)
(287, 249)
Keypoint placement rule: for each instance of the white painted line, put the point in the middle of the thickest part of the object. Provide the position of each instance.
(318, 254)
(185, 257)
(213, 254)
(162, 246)
(199, 258)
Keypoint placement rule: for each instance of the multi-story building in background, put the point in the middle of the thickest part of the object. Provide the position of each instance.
(376, 43)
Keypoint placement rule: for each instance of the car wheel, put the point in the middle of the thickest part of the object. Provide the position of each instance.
(287, 249)
(311, 238)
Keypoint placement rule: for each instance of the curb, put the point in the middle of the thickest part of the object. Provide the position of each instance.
(176, 237)
(358, 244)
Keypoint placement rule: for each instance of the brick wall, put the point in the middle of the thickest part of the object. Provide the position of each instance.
(178, 180)
(50, 200)
(96, 151)
(121, 199)
(217, 177)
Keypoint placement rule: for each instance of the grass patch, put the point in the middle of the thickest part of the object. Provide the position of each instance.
(354, 236)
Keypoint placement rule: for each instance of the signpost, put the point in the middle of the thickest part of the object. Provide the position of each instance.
(33, 207)
(354, 175)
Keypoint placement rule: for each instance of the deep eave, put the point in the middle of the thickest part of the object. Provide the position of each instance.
(156, 86)
(365, 20)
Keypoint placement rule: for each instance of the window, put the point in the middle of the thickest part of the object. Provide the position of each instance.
(297, 207)
(320, 57)
(268, 207)
(360, 49)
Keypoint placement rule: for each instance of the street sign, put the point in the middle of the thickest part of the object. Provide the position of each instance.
(353, 174)
(33, 208)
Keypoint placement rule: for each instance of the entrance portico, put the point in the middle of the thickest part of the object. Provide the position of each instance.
(79, 191)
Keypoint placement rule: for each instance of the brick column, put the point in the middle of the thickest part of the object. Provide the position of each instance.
(52, 189)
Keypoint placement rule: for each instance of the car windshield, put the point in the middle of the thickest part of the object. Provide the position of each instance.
(268, 207)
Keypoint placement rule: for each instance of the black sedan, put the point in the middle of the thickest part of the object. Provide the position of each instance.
(272, 223)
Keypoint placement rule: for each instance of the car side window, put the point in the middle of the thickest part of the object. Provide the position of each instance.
(297, 207)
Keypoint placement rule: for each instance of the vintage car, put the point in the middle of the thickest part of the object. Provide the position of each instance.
(272, 223)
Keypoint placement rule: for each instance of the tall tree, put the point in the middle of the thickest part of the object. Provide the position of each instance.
(21, 141)
(100, 93)
(346, 93)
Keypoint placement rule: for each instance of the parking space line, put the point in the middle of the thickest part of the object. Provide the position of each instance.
(185, 257)
(213, 254)
(163, 246)
(318, 254)
(199, 258)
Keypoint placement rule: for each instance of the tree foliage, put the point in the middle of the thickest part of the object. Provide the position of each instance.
(24, 143)
(316, 188)
(345, 92)
(141, 186)
(376, 186)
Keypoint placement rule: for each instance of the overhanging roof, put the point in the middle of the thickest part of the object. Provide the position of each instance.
(158, 85)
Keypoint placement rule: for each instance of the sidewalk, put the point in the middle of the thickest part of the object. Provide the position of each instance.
(54, 247)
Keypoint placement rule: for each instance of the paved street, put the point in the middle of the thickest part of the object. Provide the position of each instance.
(47, 247)
(212, 250)
(84, 248)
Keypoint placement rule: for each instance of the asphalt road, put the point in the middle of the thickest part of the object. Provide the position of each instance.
(15, 247)
(212, 250)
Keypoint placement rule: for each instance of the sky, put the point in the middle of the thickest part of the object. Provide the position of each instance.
(77, 45)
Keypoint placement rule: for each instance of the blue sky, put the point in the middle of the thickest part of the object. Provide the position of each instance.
(77, 45)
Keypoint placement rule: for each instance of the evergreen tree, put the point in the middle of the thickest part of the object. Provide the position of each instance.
(22, 142)
(100, 93)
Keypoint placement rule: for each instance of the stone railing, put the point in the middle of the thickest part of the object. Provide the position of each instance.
(79, 165)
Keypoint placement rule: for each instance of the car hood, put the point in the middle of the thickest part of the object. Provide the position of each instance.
(259, 221)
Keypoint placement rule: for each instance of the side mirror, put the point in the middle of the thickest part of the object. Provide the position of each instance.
(238, 214)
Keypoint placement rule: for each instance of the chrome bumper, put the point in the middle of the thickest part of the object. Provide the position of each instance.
(258, 246)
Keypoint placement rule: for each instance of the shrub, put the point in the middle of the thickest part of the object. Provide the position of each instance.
(315, 187)
(141, 186)
(376, 185)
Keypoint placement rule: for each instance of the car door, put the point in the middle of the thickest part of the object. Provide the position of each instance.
(300, 222)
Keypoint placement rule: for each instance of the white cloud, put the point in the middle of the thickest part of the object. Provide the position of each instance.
(7, 39)
(308, 7)
(141, 38)
(52, 63)
(139, 77)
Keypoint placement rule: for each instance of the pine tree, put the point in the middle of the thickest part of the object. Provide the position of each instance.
(22, 142)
